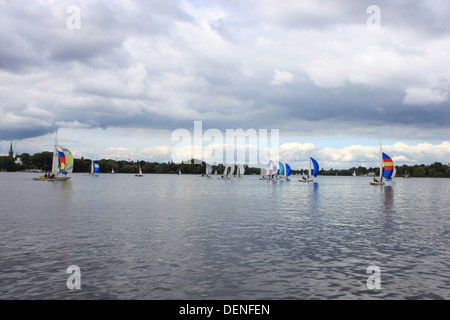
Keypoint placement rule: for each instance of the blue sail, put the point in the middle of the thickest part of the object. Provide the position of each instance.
(288, 170)
(316, 168)
(96, 167)
(281, 170)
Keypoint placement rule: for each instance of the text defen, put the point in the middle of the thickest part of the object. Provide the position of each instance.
(246, 309)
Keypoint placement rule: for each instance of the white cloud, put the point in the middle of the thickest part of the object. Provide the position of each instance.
(424, 96)
(158, 153)
(281, 77)
(71, 124)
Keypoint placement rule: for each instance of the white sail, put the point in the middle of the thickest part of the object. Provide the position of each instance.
(380, 178)
(231, 171)
(55, 162)
(225, 172)
(241, 171)
(227, 175)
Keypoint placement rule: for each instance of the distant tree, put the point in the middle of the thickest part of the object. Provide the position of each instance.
(419, 172)
(43, 160)
(26, 158)
(447, 173)
(433, 173)
(7, 164)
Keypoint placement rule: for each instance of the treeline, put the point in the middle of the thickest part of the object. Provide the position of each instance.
(43, 161)
(435, 170)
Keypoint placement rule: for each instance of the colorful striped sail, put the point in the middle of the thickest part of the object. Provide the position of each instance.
(273, 167)
(388, 166)
(66, 161)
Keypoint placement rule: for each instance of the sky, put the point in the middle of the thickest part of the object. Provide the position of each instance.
(115, 79)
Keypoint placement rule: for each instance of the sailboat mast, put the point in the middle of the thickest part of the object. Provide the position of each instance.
(309, 176)
(381, 163)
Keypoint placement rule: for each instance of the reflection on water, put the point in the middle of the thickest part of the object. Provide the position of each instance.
(186, 237)
(388, 199)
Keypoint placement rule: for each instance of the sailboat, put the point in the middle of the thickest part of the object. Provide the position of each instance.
(140, 172)
(406, 174)
(312, 174)
(270, 171)
(231, 174)
(112, 168)
(287, 172)
(95, 168)
(241, 170)
(208, 170)
(179, 172)
(226, 173)
(354, 173)
(62, 163)
(379, 182)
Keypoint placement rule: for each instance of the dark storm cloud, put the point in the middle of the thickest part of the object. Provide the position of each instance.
(233, 64)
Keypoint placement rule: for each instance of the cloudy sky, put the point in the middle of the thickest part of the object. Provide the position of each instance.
(116, 78)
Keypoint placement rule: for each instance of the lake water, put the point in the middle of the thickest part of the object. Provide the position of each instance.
(166, 237)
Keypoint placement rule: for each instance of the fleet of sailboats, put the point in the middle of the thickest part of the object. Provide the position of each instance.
(63, 162)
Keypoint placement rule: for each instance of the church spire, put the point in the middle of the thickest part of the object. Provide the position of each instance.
(11, 153)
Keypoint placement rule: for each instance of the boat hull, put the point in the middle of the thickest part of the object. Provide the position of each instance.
(376, 183)
(51, 179)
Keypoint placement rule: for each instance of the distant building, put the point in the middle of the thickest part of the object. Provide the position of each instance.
(11, 153)
(371, 174)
